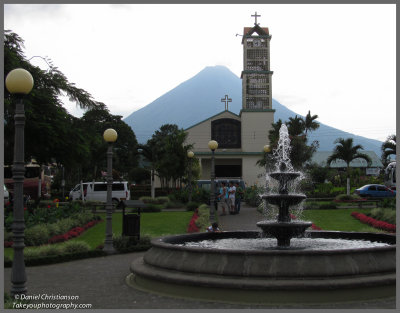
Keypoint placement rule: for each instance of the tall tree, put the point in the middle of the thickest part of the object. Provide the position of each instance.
(346, 151)
(50, 131)
(388, 147)
(301, 151)
(169, 153)
(309, 122)
(93, 124)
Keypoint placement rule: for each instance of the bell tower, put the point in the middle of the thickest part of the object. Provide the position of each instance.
(256, 75)
(257, 114)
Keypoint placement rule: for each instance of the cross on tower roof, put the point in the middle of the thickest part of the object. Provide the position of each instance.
(255, 15)
(226, 100)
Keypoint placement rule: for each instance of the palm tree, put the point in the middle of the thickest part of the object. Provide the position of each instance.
(389, 147)
(295, 126)
(309, 123)
(346, 151)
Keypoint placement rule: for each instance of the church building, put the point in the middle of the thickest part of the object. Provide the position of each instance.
(241, 138)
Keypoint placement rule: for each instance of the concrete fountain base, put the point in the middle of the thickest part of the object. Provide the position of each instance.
(267, 276)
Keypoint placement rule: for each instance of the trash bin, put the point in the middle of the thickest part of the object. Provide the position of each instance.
(131, 221)
(131, 225)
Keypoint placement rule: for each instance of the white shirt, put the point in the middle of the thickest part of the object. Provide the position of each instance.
(232, 194)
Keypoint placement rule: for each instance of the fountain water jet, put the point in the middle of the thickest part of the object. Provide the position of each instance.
(283, 229)
(188, 265)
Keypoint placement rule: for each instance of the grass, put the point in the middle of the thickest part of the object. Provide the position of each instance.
(151, 224)
(339, 220)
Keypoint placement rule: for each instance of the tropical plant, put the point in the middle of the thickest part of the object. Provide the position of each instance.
(346, 151)
(309, 122)
(300, 150)
(389, 147)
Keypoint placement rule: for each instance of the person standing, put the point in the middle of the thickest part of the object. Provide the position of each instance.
(232, 193)
(223, 195)
(239, 196)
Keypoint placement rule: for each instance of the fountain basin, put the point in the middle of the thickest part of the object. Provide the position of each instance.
(283, 231)
(260, 276)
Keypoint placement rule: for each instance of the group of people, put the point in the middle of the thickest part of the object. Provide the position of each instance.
(230, 198)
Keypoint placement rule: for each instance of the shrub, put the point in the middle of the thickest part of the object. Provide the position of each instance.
(8, 236)
(191, 206)
(387, 203)
(344, 197)
(30, 253)
(75, 247)
(146, 199)
(128, 243)
(162, 200)
(387, 215)
(65, 225)
(327, 206)
(54, 229)
(252, 195)
(49, 250)
(36, 235)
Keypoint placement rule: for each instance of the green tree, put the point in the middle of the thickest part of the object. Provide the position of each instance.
(93, 124)
(346, 151)
(309, 122)
(168, 152)
(388, 148)
(301, 151)
(51, 134)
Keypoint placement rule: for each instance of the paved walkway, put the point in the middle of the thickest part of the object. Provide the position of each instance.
(101, 281)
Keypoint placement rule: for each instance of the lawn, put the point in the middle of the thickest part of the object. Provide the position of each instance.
(339, 219)
(151, 224)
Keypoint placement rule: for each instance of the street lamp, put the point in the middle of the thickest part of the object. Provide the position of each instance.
(212, 145)
(19, 82)
(110, 135)
(267, 149)
(190, 155)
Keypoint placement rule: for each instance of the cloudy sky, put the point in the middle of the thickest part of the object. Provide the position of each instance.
(338, 60)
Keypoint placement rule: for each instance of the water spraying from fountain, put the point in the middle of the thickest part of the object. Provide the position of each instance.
(283, 229)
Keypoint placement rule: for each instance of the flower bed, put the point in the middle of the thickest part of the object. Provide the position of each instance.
(374, 223)
(192, 227)
(72, 233)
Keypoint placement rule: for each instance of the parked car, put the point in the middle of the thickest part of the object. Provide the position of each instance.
(97, 191)
(375, 191)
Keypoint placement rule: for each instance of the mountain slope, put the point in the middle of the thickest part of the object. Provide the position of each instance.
(199, 97)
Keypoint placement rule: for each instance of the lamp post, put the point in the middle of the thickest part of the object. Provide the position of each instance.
(110, 135)
(212, 145)
(19, 82)
(267, 149)
(190, 155)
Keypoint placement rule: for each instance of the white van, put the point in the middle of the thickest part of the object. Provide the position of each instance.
(97, 191)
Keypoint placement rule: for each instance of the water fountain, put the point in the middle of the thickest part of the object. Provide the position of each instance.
(283, 229)
(273, 267)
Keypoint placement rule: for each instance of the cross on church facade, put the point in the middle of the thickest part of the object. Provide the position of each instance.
(226, 100)
(255, 15)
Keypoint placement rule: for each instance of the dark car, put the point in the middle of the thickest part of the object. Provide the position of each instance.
(375, 191)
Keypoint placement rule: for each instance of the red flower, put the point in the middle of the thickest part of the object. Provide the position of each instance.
(373, 222)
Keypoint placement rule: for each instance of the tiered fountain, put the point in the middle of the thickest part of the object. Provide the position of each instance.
(247, 266)
(283, 229)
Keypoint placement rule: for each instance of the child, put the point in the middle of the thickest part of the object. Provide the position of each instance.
(213, 228)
